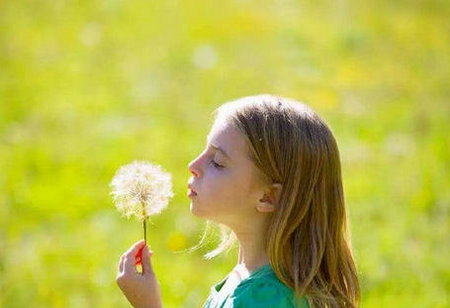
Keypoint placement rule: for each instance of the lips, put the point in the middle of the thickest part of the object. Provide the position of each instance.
(192, 190)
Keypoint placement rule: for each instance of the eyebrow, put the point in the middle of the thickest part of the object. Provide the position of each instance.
(217, 148)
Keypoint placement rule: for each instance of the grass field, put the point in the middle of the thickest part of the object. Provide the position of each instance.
(87, 86)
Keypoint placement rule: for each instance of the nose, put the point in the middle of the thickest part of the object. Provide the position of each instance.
(194, 168)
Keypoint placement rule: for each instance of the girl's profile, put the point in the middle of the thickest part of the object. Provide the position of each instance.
(270, 175)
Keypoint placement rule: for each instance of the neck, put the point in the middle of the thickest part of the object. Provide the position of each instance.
(252, 254)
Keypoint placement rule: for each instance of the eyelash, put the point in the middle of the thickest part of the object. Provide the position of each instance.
(216, 165)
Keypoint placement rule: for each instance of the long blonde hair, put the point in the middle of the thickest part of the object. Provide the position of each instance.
(307, 242)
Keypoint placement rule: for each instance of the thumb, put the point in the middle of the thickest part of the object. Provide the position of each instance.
(146, 262)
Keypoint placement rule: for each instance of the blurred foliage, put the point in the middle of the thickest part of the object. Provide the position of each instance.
(87, 86)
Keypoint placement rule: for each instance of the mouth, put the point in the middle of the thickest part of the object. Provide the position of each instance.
(191, 192)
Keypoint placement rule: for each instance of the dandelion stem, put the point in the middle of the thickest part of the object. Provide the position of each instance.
(145, 230)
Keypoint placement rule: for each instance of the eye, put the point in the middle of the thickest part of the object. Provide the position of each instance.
(216, 165)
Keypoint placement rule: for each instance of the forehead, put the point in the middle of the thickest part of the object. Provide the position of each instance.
(229, 139)
(232, 141)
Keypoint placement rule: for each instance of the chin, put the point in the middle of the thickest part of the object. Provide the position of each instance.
(195, 210)
(198, 212)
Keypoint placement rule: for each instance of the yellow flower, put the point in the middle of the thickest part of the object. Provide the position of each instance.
(141, 189)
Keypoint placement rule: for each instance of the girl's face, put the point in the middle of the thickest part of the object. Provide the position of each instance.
(226, 183)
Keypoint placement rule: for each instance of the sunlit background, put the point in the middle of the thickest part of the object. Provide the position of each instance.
(88, 86)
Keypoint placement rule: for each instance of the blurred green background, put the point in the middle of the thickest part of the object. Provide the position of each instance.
(87, 86)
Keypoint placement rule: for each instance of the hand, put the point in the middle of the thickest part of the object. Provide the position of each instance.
(141, 289)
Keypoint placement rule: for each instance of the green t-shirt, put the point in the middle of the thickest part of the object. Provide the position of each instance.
(261, 289)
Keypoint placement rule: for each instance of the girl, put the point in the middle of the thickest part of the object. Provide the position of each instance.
(271, 174)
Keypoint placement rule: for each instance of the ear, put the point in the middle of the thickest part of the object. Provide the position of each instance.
(270, 199)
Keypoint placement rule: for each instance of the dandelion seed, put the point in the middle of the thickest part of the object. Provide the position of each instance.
(141, 189)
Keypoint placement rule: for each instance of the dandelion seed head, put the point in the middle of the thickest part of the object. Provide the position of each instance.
(141, 189)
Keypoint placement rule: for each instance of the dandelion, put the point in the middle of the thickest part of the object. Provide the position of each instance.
(141, 189)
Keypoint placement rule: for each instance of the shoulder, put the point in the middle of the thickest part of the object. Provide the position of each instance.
(266, 291)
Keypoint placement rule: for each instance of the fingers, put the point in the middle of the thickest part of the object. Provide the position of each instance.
(136, 254)
(135, 247)
(138, 258)
(146, 262)
(121, 263)
(130, 256)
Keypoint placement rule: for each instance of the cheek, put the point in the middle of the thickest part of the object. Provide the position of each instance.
(229, 189)
(215, 183)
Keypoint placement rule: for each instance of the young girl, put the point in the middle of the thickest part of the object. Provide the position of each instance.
(271, 173)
